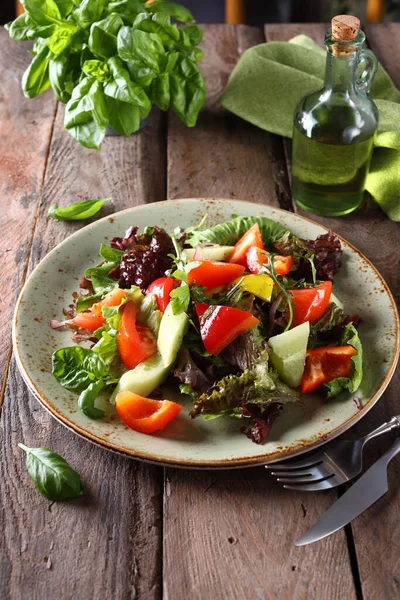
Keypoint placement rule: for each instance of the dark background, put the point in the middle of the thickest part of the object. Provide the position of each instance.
(264, 11)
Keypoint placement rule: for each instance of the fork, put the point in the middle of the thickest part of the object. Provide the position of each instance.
(336, 463)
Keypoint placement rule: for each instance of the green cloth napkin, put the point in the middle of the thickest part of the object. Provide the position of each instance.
(269, 81)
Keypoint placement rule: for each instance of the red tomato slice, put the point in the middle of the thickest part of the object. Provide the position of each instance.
(252, 237)
(88, 320)
(213, 273)
(256, 259)
(325, 364)
(221, 325)
(309, 304)
(136, 343)
(113, 298)
(162, 288)
(144, 414)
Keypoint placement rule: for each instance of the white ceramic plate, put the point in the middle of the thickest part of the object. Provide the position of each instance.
(196, 443)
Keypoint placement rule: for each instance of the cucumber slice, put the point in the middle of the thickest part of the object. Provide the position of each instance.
(218, 253)
(289, 353)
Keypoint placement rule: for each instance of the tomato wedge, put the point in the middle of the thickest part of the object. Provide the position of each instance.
(93, 319)
(136, 343)
(252, 237)
(144, 414)
(221, 325)
(325, 364)
(256, 259)
(212, 274)
(309, 304)
(161, 288)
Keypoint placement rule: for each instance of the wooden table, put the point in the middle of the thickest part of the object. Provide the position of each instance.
(142, 531)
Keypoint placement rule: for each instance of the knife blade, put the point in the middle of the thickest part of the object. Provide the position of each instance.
(362, 494)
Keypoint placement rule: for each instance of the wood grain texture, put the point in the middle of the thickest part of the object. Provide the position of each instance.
(377, 532)
(108, 543)
(22, 167)
(224, 156)
(231, 534)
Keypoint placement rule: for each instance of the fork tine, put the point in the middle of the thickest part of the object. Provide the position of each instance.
(292, 474)
(318, 486)
(298, 464)
(315, 474)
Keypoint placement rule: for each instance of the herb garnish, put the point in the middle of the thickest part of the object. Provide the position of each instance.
(77, 211)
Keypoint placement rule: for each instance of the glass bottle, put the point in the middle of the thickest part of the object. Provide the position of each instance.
(334, 127)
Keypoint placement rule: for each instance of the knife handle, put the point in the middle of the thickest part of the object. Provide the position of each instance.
(392, 425)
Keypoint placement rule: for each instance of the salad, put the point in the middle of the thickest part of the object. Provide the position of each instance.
(241, 317)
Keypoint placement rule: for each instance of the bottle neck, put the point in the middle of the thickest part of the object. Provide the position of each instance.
(340, 73)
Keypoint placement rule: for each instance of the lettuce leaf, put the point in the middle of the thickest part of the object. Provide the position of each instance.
(228, 233)
(352, 383)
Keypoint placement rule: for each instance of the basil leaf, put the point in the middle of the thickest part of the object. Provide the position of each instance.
(172, 9)
(77, 211)
(65, 7)
(123, 88)
(103, 36)
(193, 34)
(228, 233)
(36, 79)
(127, 9)
(160, 91)
(140, 73)
(160, 24)
(23, 28)
(135, 44)
(61, 38)
(86, 114)
(98, 69)
(111, 254)
(51, 474)
(101, 283)
(64, 72)
(188, 91)
(43, 12)
(87, 399)
(75, 368)
(180, 299)
(89, 12)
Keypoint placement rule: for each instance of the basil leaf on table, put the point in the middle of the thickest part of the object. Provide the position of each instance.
(51, 474)
(188, 91)
(86, 114)
(87, 399)
(36, 79)
(43, 12)
(172, 9)
(77, 211)
(75, 368)
(23, 29)
(103, 36)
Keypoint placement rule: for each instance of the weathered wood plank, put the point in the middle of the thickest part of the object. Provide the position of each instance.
(25, 131)
(377, 546)
(230, 534)
(107, 544)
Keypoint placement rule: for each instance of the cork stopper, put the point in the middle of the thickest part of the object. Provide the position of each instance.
(344, 28)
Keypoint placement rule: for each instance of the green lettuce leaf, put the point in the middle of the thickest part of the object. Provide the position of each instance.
(228, 233)
(352, 383)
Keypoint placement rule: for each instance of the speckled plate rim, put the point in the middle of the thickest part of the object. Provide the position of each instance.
(246, 461)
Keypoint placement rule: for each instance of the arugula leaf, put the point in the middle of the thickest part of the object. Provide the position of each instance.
(36, 79)
(24, 28)
(103, 36)
(352, 383)
(77, 211)
(188, 91)
(43, 12)
(75, 367)
(172, 9)
(87, 399)
(51, 474)
(228, 233)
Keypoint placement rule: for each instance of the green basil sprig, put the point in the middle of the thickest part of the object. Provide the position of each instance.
(77, 211)
(51, 474)
(110, 61)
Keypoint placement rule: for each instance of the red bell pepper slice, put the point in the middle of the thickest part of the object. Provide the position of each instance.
(136, 343)
(309, 304)
(256, 259)
(161, 288)
(220, 325)
(324, 364)
(144, 414)
(252, 237)
(212, 274)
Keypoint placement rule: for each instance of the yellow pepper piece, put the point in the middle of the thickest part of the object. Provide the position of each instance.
(259, 285)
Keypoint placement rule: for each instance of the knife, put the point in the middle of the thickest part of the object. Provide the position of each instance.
(362, 494)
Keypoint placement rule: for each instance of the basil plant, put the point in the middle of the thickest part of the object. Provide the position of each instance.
(110, 61)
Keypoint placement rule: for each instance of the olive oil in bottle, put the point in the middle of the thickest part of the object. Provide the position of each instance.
(334, 127)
